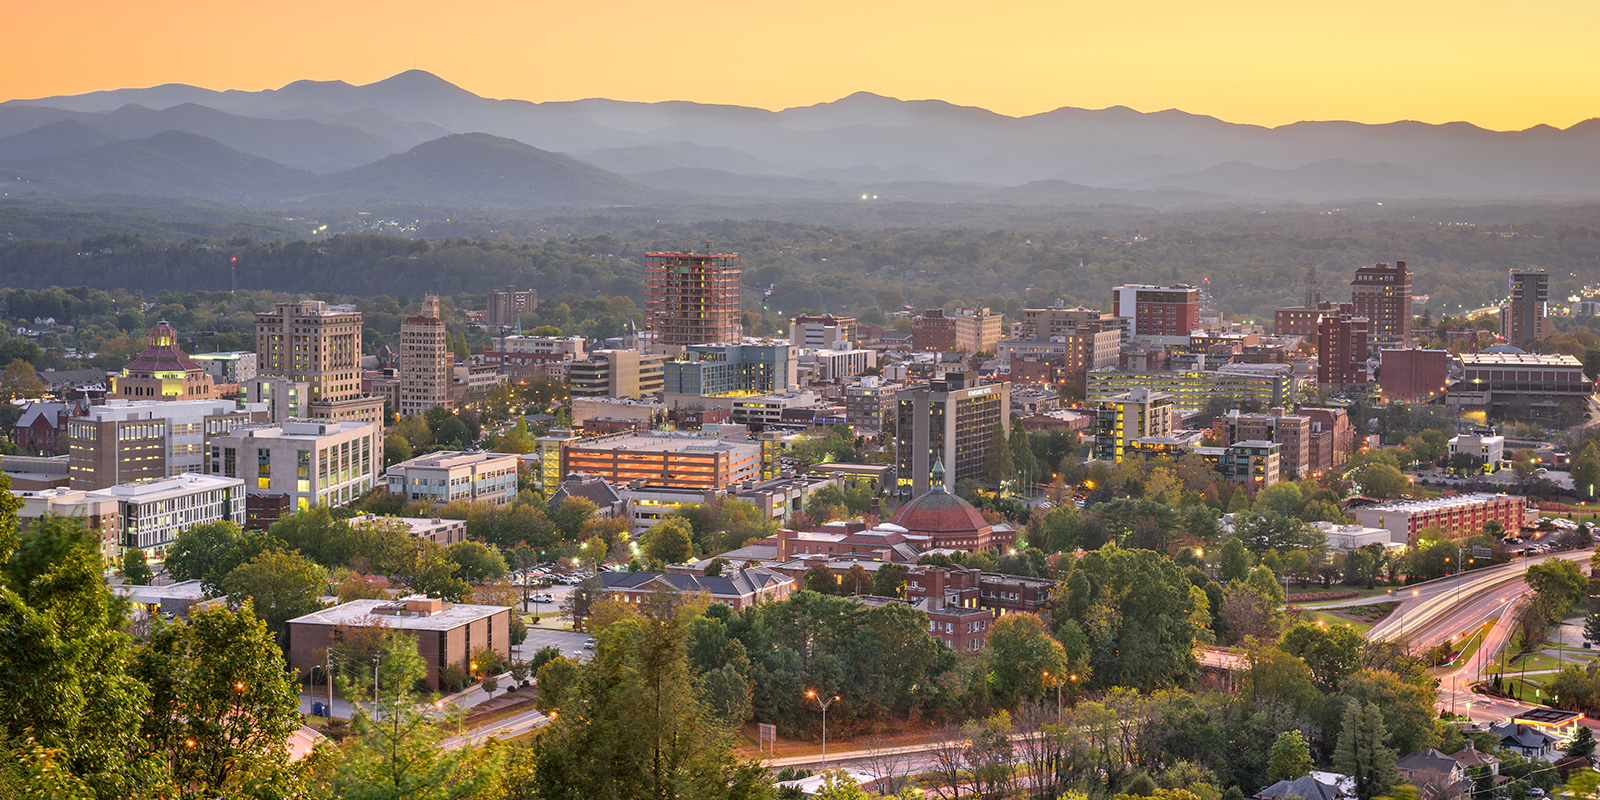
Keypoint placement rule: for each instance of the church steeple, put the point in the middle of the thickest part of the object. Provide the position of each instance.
(936, 475)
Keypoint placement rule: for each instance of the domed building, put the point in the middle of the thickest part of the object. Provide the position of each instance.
(163, 372)
(948, 522)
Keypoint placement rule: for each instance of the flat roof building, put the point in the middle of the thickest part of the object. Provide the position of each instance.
(124, 441)
(616, 373)
(1263, 385)
(314, 462)
(692, 298)
(949, 421)
(1523, 386)
(1459, 517)
(1120, 419)
(153, 512)
(663, 459)
(452, 475)
(446, 632)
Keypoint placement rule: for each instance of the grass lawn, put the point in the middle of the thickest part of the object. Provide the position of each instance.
(1359, 592)
(1475, 639)
(1330, 619)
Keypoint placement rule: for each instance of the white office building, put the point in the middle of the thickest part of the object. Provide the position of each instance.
(315, 462)
(153, 512)
(453, 475)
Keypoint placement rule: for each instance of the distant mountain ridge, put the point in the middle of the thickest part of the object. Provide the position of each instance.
(925, 148)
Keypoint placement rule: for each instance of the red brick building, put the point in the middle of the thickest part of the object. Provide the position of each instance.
(1382, 294)
(1342, 350)
(1412, 376)
(1158, 311)
(42, 427)
(1301, 320)
(446, 633)
(933, 331)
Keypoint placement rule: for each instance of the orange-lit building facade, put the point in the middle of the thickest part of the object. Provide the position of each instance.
(692, 298)
(688, 462)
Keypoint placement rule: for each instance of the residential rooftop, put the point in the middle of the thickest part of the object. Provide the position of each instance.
(364, 613)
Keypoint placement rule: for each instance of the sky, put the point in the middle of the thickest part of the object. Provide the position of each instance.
(1500, 65)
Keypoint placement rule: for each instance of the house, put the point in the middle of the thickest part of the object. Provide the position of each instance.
(1315, 786)
(42, 427)
(1527, 741)
(1434, 774)
(745, 588)
(608, 504)
(1470, 756)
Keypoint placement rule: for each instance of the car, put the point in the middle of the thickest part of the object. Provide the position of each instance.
(1536, 792)
(589, 643)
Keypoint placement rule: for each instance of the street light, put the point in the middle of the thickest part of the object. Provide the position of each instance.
(824, 702)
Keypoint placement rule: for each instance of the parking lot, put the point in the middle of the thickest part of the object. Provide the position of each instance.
(570, 643)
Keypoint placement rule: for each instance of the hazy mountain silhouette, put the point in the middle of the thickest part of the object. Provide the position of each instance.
(65, 136)
(866, 138)
(168, 164)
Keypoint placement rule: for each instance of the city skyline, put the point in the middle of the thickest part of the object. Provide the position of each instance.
(1246, 62)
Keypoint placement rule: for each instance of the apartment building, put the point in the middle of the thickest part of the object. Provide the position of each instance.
(869, 402)
(661, 459)
(692, 298)
(505, 306)
(950, 421)
(1120, 419)
(1382, 295)
(1525, 318)
(1458, 517)
(616, 373)
(1159, 314)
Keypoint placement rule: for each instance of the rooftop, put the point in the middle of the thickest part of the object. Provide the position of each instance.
(180, 485)
(447, 459)
(666, 443)
(1438, 503)
(1519, 360)
(364, 613)
(300, 429)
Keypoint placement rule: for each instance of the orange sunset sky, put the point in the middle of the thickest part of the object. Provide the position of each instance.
(1500, 65)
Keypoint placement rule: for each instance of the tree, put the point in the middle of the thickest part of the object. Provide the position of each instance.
(997, 466)
(490, 684)
(1361, 752)
(517, 440)
(20, 380)
(135, 570)
(1022, 458)
(552, 679)
(821, 580)
(1407, 706)
(1381, 481)
(1582, 745)
(1282, 498)
(477, 561)
(48, 542)
(1561, 580)
(221, 704)
(1023, 658)
(396, 449)
(1134, 608)
(396, 755)
(890, 580)
(856, 581)
(1290, 758)
(281, 585)
(1234, 564)
(668, 541)
(1331, 652)
(207, 552)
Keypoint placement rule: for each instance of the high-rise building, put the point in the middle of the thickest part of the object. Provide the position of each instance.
(1135, 414)
(506, 306)
(1292, 433)
(933, 331)
(319, 345)
(1382, 294)
(692, 298)
(425, 360)
(162, 371)
(1342, 349)
(1525, 318)
(1163, 314)
(977, 330)
(712, 370)
(950, 420)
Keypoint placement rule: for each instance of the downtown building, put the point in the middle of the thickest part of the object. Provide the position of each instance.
(1342, 341)
(692, 298)
(507, 305)
(1458, 518)
(311, 462)
(822, 332)
(728, 369)
(1382, 294)
(153, 512)
(1159, 314)
(1410, 375)
(1122, 419)
(122, 441)
(162, 371)
(616, 374)
(1523, 386)
(1237, 385)
(1525, 318)
(448, 476)
(950, 421)
(425, 361)
(315, 349)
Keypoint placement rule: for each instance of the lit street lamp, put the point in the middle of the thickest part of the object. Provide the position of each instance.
(824, 702)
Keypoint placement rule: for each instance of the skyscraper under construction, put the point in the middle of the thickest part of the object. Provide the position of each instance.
(692, 298)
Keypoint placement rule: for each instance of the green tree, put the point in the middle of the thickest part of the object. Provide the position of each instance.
(997, 466)
(208, 552)
(1560, 580)
(1407, 706)
(1023, 658)
(1331, 652)
(1382, 481)
(281, 585)
(1282, 498)
(552, 679)
(1361, 752)
(477, 561)
(20, 380)
(1290, 758)
(396, 449)
(1022, 458)
(1134, 608)
(1582, 745)
(517, 440)
(1234, 563)
(221, 704)
(44, 545)
(135, 570)
(890, 580)
(396, 756)
(668, 541)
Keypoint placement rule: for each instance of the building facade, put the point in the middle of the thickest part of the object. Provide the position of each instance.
(977, 330)
(933, 331)
(122, 441)
(692, 298)
(869, 402)
(1120, 419)
(317, 345)
(948, 421)
(235, 366)
(162, 371)
(153, 512)
(446, 632)
(425, 361)
(448, 476)
(1342, 341)
(1271, 386)
(617, 374)
(1163, 314)
(1525, 318)
(314, 462)
(506, 305)
(822, 332)
(689, 462)
(1410, 375)
(1459, 517)
(1382, 294)
(713, 370)
(1521, 385)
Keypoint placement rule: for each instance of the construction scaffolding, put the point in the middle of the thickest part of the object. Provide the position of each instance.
(693, 298)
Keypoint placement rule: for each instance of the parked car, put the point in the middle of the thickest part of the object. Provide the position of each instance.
(589, 643)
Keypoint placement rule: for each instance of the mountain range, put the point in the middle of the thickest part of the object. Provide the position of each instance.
(417, 138)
